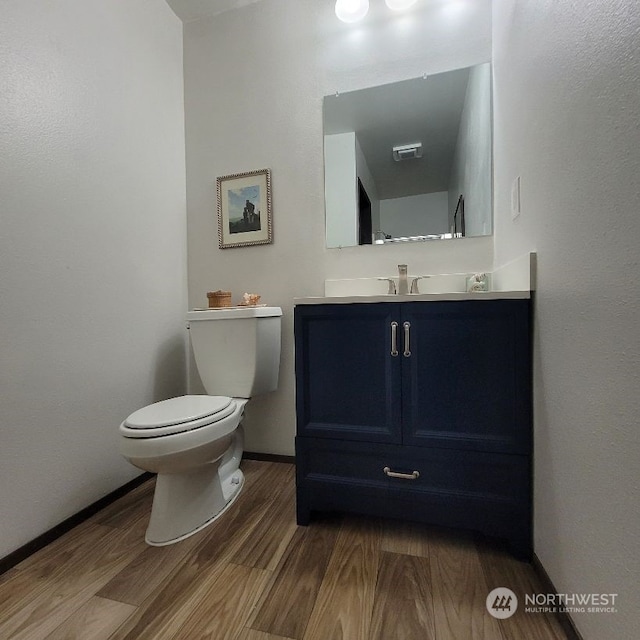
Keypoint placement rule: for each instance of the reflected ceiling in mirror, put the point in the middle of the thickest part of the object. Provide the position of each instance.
(410, 160)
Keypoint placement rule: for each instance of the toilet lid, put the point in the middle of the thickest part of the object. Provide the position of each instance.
(180, 414)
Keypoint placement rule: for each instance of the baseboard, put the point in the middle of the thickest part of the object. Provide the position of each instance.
(268, 457)
(17, 556)
(565, 620)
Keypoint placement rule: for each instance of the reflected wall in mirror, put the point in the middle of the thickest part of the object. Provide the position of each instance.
(410, 160)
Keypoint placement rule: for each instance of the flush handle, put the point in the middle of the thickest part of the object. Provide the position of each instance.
(403, 476)
(407, 331)
(394, 338)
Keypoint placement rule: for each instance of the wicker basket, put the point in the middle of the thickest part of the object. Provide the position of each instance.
(219, 299)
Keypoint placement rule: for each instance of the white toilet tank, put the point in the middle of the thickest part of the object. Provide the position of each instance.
(237, 350)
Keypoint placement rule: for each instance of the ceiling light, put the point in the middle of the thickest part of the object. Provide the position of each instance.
(399, 5)
(351, 10)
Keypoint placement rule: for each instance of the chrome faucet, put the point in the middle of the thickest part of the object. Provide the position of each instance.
(403, 287)
(403, 284)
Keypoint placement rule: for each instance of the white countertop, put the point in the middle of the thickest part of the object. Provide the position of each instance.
(417, 297)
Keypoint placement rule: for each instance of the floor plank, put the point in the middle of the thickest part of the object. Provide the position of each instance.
(26, 581)
(53, 558)
(286, 605)
(460, 590)
(146, 572)
(264, 548)
(344, 605)
(97, 619)
(161, 616)
(131, 511)
(403, 606)
(224, 609)
(502, 570)
(252, 634)
(65, 593)
(410, 538)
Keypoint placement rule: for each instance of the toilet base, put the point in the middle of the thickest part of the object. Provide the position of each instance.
(186, 503)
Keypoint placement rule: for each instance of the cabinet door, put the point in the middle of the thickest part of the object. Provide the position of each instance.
(466, 383)
(347, 380)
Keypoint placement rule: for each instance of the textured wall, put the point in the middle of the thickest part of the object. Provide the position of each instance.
(92, 245)
(566, 120)
(254, 82)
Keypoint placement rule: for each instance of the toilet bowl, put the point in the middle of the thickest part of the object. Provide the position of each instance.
(195, 442)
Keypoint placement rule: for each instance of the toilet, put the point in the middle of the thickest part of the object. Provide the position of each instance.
(194, 442)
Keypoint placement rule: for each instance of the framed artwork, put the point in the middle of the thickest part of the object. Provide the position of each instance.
(244, 209)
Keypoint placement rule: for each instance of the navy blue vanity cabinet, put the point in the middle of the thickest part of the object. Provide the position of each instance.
(346, 383)
(419, 411)
(466, 383)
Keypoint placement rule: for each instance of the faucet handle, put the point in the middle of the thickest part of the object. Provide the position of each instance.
(414, 283)
(392, 285)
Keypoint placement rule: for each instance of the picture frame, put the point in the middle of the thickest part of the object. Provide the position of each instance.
(244, 209)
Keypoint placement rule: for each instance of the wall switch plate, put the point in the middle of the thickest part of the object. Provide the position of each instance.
(515, 198)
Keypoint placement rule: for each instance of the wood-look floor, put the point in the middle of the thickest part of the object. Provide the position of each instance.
(255, 575)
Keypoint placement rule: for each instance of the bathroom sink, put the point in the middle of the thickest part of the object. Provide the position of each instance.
(515, 279)
(440, 283)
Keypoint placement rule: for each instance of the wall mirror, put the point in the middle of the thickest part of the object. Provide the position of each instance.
(410, 161)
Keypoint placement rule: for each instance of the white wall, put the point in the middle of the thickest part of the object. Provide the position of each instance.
(92, 246)
(254, 82)
(566, 120)
(415, 215)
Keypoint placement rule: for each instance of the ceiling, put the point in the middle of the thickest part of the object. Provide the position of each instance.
(188, 10)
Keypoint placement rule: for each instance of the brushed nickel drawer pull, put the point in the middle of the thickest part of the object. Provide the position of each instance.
(394, 338)
(407, 329)
(404, 476)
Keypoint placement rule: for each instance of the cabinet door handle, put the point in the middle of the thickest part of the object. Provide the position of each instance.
(407, 329)
(394, 338)
(404, 476)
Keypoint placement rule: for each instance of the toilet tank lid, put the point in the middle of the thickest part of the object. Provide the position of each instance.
(227, 313)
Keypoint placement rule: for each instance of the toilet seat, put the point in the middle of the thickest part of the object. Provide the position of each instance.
(177, 415)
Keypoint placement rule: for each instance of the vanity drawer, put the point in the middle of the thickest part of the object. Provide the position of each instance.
(397, 469)
(476, 490)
